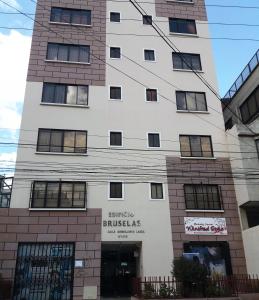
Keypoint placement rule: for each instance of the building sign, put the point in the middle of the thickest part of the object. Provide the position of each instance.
(205, 226)
(122, 224)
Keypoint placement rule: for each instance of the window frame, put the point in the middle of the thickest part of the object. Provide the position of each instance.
(150, 191)
(149, 60)
(182, 61)
(63, 131)
(115, 86)
(195, 187)
(114, 47)
(171, 20)
(69, 46)
(185, 94)
(144, 20)
(59, 207)
(154, 147)
(109, 138)
(71, 11)
(114, 12)
(66, 93)
(148, 101)
(197, 157)
(122, 190)
(251, 116)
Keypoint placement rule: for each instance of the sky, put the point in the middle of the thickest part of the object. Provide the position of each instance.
(231, 56)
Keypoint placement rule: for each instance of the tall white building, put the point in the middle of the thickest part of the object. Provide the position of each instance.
(122, 162)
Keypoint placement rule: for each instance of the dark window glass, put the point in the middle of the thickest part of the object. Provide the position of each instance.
(156, 190)
(54, 140)
(151, 95)
(229, 124)
(250, 108)
(196, 146)
(192, 101)
(202, 196)
(51, 194)
(182, 26)
(153, 140)
(115, 92)
(115, 17)
(252, 215)
(115, 52)
(70, 16)
(65, 52)
(149, 55)
(147, 20)
(186, 61)
(65, 94)
(115, 138)
(116, 190)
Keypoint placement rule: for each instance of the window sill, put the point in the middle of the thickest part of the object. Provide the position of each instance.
(205, 211)
(63, 105)
(115, 58)
(187, 70)
(61, 153)
(193, 111)
(68, 62)
(71, 24)
(150, 61)
(116, 100)
(115, 199)
(57, 209)
(191, 35)
(183, 2)
(198, 157)
(162, 199)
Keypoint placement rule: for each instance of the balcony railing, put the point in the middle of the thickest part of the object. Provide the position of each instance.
(250, 67)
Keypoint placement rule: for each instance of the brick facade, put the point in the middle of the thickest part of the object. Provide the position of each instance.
(191, 171)
(95, 36)
(83, 228)
(195, 10)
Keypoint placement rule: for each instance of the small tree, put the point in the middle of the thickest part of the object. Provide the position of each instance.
(192, 276)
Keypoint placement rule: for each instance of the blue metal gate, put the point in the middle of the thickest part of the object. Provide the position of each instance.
(44, 271)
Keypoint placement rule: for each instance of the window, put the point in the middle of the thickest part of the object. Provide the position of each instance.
(115, 52)
(147, 20)
(149, 55)
(192, 101)
(257, 146)
(115, 17)
(196, 146)
(250, 108)
(67, 52)
(186, 61)
(156, 190)
(252, 215)
(115, 93)
(67, 141)
(65, 94)
(44, 271)
(151, 95)
(182, 26)
(70, 16)
(202, 197)
(116, 190)
(215, 256)
(58, 194)
(153, 140)
(116, 138)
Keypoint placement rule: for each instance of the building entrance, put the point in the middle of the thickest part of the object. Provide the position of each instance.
(119, 266)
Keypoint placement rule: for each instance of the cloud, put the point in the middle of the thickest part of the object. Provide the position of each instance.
(14, 57)
(7, 162)
(13, 3)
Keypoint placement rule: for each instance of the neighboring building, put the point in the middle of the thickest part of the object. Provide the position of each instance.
(5, 191)
(128, 167)
(241, 111)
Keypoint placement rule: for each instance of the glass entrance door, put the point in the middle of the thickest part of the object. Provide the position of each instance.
(119, 267)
